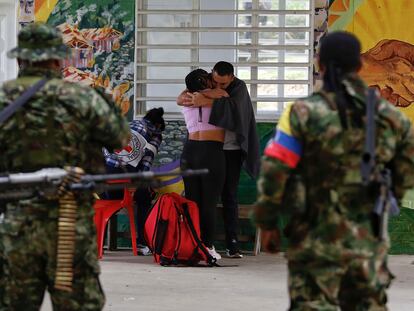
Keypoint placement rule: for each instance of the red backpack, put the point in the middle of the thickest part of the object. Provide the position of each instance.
(172, 232)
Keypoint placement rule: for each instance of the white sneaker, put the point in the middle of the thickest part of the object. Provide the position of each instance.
(213, 253)
(143, 250)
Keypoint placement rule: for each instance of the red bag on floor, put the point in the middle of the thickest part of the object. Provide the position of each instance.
(172, 232)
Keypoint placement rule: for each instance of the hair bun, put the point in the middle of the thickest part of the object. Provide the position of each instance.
(196, 80)
(160, 110)
(154, 115)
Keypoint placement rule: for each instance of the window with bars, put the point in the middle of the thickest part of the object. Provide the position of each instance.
(269, 42)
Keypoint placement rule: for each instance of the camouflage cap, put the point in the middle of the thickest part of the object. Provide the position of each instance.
(39, 42)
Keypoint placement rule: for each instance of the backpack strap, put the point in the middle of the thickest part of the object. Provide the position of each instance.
(7, 112)
(210, 259)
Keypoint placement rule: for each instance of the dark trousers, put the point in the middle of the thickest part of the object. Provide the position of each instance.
(229, 196)
(204, 190)
(142, 198)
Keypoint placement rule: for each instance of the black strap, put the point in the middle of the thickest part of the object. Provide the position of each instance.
(368, 157)
(19, 102)
(370, 130)
(211, 260)
(200, 114)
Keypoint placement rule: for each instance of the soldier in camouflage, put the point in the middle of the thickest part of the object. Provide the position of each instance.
(63, 124)
(3, 306)
(311, 173)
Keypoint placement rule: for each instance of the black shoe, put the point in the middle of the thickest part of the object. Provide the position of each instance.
(233, 253)
(233, 250)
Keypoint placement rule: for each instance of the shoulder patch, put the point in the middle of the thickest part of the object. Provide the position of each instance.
(284, 146)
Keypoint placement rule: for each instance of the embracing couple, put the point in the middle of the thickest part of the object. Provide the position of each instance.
(222, 137)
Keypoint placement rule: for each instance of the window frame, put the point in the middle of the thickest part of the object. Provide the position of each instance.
(141, 52)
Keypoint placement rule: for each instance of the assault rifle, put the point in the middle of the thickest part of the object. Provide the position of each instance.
(375, 177)
(47, 181)
(61, 184)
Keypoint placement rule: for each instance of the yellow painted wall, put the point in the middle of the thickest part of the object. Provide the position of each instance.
(43, 8)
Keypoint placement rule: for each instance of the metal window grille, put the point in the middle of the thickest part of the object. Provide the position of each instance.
(270, 43)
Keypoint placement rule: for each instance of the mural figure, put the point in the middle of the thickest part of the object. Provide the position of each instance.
(389, 66)
(26, 12)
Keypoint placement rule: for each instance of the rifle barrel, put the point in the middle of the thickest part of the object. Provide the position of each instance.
(143, 175)
(42, 176)
(12, 185)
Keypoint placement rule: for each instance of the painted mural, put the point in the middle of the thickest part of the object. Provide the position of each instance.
(387, 45)
(320, 30)
(101, 36)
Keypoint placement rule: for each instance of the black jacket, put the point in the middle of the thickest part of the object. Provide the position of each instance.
(235, 113)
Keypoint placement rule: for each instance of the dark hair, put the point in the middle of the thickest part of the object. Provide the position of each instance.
(341, 49)
(154, 115)
(224, 68)
(196, 80)
(340, 54)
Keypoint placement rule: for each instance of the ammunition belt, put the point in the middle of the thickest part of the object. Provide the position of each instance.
(68, 210)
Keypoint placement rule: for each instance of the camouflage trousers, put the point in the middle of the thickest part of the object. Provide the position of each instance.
(2, 279)
(30, 251)
(327, 286)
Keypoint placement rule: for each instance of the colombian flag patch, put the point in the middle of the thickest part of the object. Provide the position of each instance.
(284, 146)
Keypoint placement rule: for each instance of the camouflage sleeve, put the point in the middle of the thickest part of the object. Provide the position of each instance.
(281, 156)
(3, 103)
(270, 188)
(3, 100)
(403, 167)
(110, 128)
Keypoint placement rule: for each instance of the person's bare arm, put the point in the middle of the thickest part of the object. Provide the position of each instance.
(204, 98)
(183, 98)
(214, 93)
(199, 100)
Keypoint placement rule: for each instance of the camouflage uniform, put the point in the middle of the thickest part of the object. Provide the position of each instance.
(62, 124)
(334, 258)
(2, 277)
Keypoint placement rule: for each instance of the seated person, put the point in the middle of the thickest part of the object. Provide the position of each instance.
(138, 156)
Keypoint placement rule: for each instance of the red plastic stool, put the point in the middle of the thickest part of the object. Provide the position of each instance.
(104, 209)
